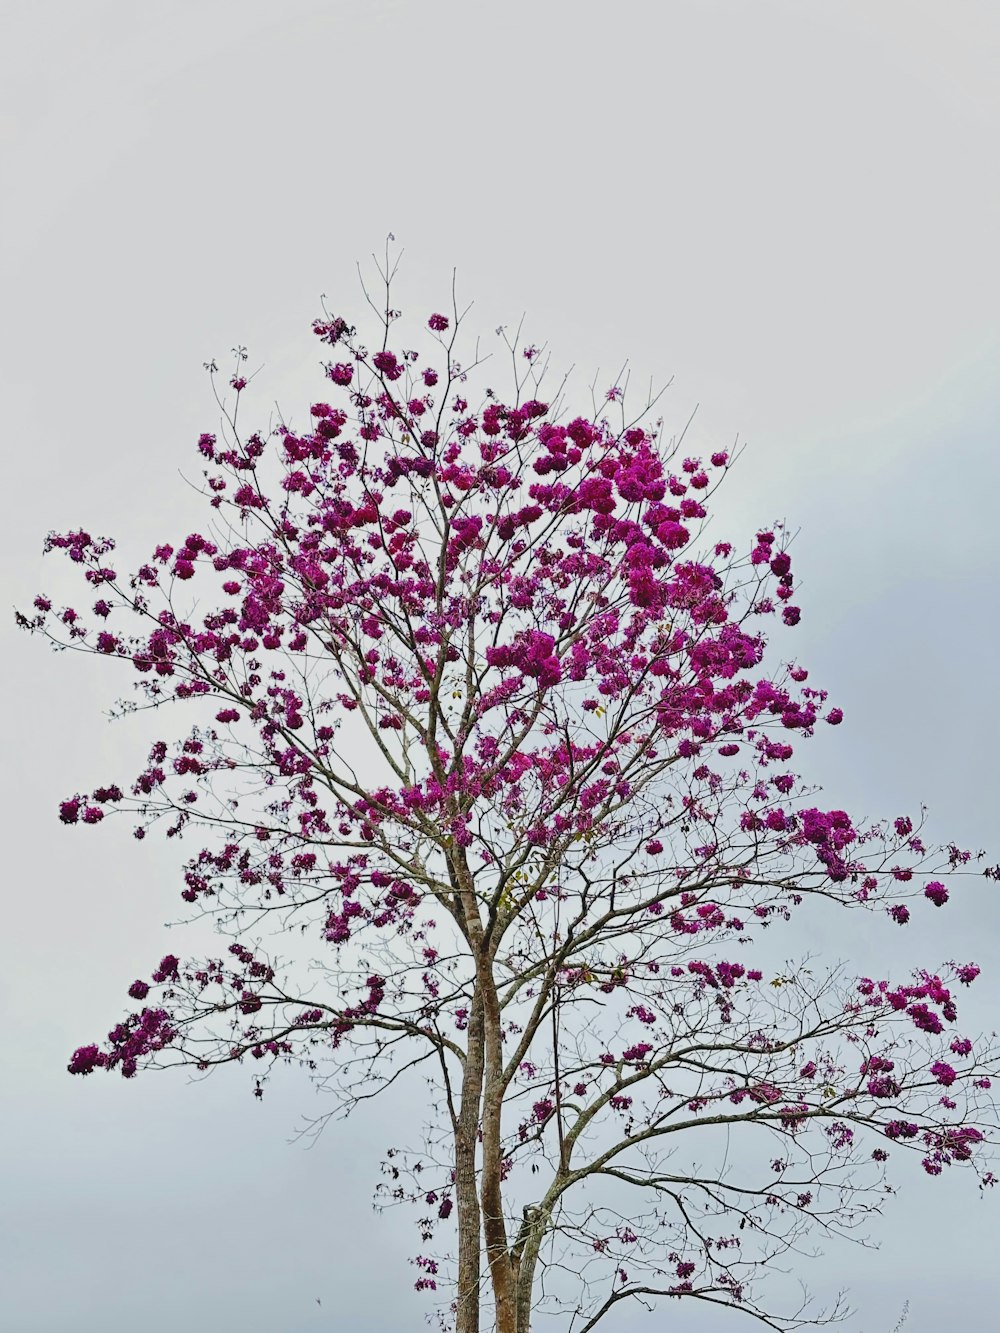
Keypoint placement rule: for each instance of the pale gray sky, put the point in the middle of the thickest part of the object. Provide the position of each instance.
(790, 207)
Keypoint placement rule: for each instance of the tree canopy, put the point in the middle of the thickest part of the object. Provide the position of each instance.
(546, 905)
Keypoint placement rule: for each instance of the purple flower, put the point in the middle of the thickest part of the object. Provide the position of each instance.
(925, 1019)
(883, 1086)
(901, 1129)
(937, 893)
(167, 971)
(86, 1059)
(341, 373)
(386, 362)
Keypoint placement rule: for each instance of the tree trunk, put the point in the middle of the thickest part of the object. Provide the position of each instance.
(535, 1231)
(466, 1192)
(494, 1228)
(482, 1092)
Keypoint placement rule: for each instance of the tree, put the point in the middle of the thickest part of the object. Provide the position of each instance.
(584, 814)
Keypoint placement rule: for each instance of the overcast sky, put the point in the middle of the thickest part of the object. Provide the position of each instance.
(791, 208)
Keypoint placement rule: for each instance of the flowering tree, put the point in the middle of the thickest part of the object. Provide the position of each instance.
(583, 816)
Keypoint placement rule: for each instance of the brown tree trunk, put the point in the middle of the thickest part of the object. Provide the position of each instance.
(535, 1231)
(466, 1192)
(494, 1228)
(482, 1091)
